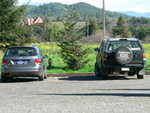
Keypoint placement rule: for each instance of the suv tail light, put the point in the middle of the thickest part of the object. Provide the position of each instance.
(105, 56)
(144, 56)
(38, 61)
(4, 61)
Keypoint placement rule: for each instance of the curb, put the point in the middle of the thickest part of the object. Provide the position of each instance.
(69, 74)
(147, 73)
(76, 74)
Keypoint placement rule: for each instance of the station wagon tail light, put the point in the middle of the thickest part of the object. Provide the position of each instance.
(105, 56)
(144, 56)
(38, 61)
(4, 61)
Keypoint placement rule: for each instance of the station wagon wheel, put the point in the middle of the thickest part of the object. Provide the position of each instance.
(3, 78)
(45, 75)
(41, 77)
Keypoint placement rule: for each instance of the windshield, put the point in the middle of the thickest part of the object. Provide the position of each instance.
(134, 45)
(21, 51)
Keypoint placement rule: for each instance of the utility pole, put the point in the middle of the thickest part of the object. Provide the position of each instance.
(104, 29)
(87, 29)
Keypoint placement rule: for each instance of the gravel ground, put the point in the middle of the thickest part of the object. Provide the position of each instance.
(76, 94)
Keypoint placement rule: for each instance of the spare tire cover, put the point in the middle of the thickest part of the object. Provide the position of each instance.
(123, 55)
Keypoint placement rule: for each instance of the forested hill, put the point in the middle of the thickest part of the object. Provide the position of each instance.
(59, 10)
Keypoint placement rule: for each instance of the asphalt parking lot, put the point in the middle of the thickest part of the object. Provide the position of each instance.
(76, 94)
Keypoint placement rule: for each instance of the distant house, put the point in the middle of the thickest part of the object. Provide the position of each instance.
(32, 21)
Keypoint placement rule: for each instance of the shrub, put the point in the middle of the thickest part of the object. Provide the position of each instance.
(72, 52)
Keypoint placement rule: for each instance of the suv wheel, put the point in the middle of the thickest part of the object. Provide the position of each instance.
(101, 73)
(97, 70)
(104, 74)
(124, 55)
(140, 76)
(131, 73)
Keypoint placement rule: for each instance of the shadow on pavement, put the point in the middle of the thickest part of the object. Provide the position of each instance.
(104, 94)
(20, 80)
(92, 78)
(124, 89)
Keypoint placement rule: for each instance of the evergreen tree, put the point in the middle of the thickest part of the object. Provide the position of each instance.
(73, 53)
(55, 33)
(140, 27)
(11, 29)
(121, 29)
(142, 32)
(41, 31)
(93, 26)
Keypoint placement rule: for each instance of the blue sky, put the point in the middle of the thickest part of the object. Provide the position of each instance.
(112, 5)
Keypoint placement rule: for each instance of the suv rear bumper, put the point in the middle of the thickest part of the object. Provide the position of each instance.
(136, 66)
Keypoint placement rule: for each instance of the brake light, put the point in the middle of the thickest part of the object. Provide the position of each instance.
(4, 61)
(105, 56)
(144, 56)
(123, 39)
(38, 61)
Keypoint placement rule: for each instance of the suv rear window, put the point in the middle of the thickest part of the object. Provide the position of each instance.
(21, 51)
(134, 45)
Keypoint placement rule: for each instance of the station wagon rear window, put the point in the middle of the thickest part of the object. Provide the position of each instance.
(21, 51)
(134, 45)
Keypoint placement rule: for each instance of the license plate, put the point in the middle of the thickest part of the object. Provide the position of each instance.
(20, 62)
(125, 69)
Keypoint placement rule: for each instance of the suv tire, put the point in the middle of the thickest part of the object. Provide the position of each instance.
(97, 70)
(123, 55)
(140, 76)
(102, 73)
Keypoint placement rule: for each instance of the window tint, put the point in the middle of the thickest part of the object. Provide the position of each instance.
(131, 44)
(22, 51)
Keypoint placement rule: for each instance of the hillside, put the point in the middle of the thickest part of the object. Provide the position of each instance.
(59, 10)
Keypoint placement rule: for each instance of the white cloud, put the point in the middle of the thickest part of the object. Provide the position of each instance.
(112, 5)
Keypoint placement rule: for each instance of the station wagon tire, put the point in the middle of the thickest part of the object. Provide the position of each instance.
(123, 55)
(45, 73)
(41, 77)
(3, 78)
(45, 76)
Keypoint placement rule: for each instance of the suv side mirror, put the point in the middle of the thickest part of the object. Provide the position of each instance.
(96, 49)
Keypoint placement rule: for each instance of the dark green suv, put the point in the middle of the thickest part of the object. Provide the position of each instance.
(123, 55)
